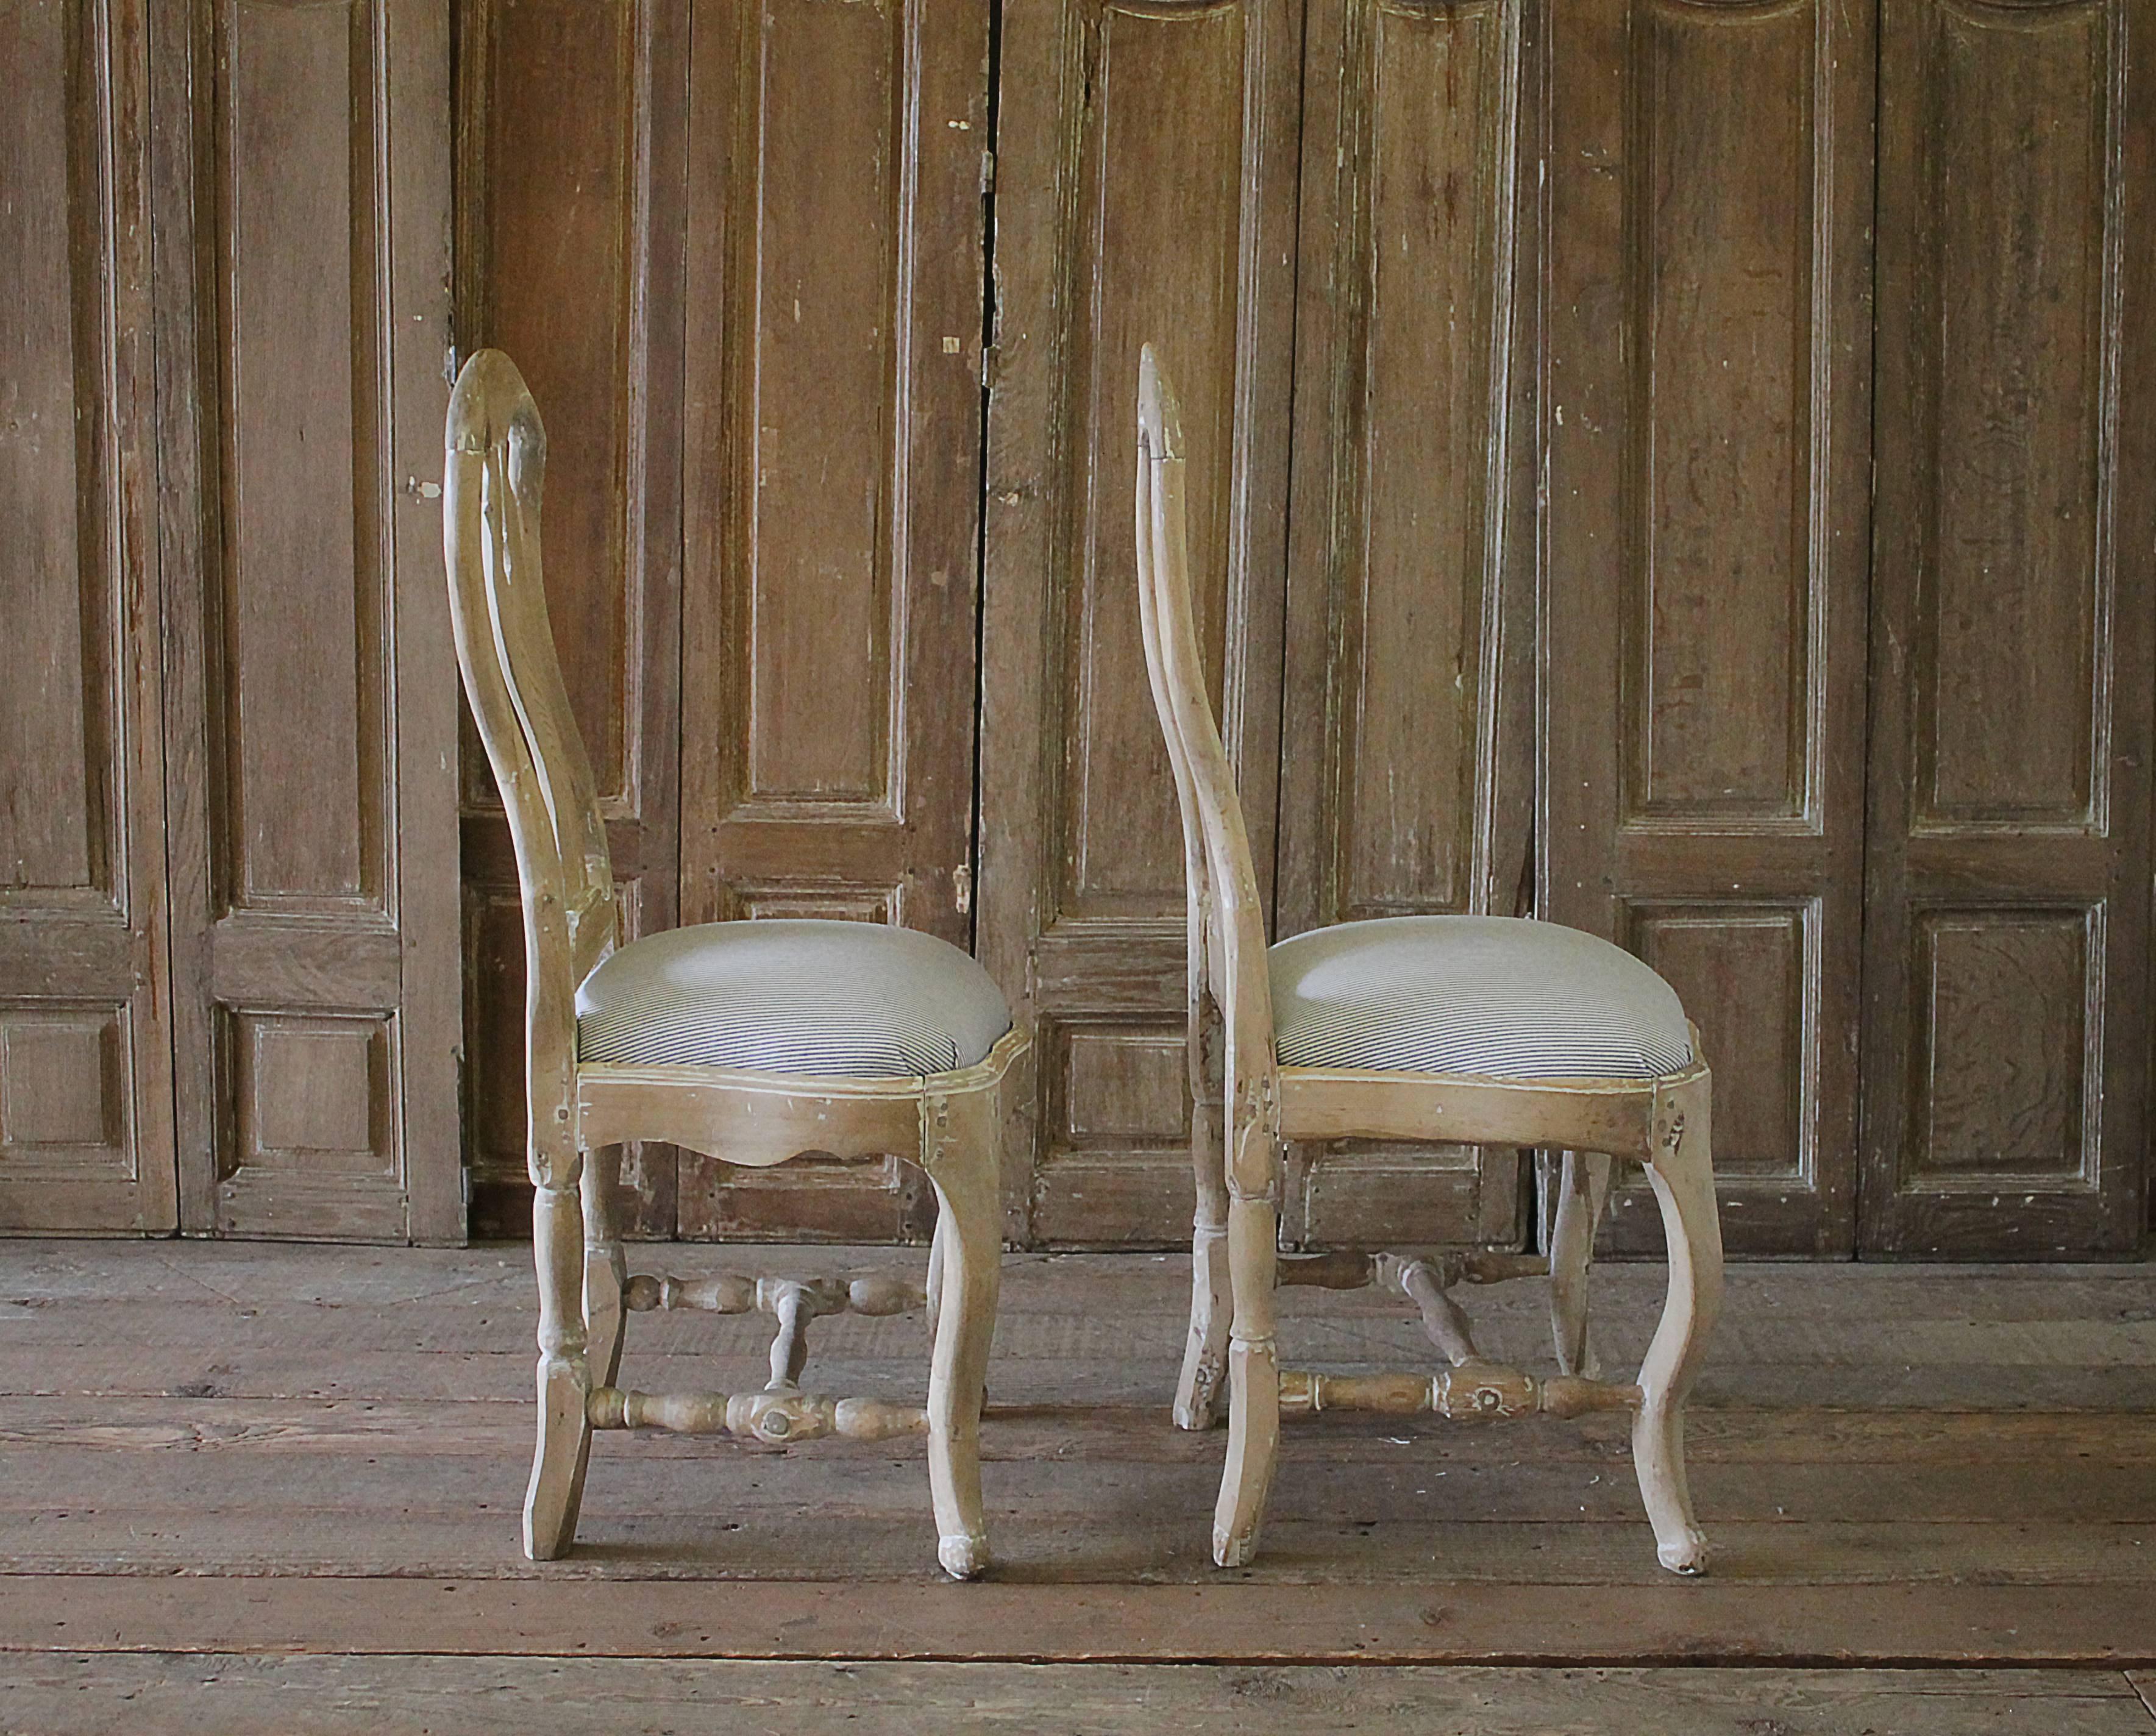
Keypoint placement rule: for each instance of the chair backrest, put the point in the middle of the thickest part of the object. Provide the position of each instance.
(494, 475)
(1226, 918)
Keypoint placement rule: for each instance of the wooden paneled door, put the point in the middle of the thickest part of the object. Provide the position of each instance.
(2007, 1030)
(1530, 358)
(1706, 417)
(1147, 188)
(569, 188)
(837, 175)
(764, 505)
(85, 1047)
(300, 221)
(1407, 728)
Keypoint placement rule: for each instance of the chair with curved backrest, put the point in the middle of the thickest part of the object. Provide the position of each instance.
(1473, 1030)
(751, 1042)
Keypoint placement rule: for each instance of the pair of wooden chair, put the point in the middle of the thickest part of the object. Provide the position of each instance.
(757, 1041)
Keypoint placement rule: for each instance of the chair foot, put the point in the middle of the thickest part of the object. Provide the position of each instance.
(1686, 1554)
(1658, 1457)
(965, 1556)
(1233, 1551)
(556, 1489)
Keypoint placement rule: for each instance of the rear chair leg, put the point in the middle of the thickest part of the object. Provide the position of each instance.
(1581, 1196)
(1682, 1173)
(958, 1149)
(1202, 1382)
(556, 1488)
(606, 1269)
(1201, 1386)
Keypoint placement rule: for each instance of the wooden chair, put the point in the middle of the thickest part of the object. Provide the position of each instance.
(1475, 1029)
(751, 1041)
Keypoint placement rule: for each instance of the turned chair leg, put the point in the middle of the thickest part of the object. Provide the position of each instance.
(961, 1163)
(1253, 1379)
(1582, 1195)
(556, 1488)
(1682, 1173)
(606, 1268)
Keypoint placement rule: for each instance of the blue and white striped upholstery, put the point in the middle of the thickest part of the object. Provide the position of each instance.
(853, 999)
(1495, 996)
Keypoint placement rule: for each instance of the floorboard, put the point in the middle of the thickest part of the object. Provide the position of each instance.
(244, 1483)
(229, 1695)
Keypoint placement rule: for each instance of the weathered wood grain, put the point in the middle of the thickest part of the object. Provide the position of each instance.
(1146, 172)
(1705, 418)
(192, 1480)
(86, 1139)
(231, 1694)
(309, 712)
(1406, 781)
(2006, 1033)
(570, 246)
(1667, 1622)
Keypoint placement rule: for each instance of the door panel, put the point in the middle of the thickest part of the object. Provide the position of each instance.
(1703, 641)
(836, 172)
(311, 710)
(569, 194)
(2006, 1048)
(1147, 169)
(85, 1070)
(1407, 726)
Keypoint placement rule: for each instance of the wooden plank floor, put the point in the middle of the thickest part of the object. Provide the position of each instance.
(275, 1488)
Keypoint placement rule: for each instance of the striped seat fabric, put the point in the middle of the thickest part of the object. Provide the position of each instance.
(855, 1000)
(1495, 996)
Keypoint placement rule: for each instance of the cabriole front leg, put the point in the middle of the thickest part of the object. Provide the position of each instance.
(1682, 1173)
(959, 1148)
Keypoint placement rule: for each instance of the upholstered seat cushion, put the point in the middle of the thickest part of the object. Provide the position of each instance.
(1497, 996)
(855, 999)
